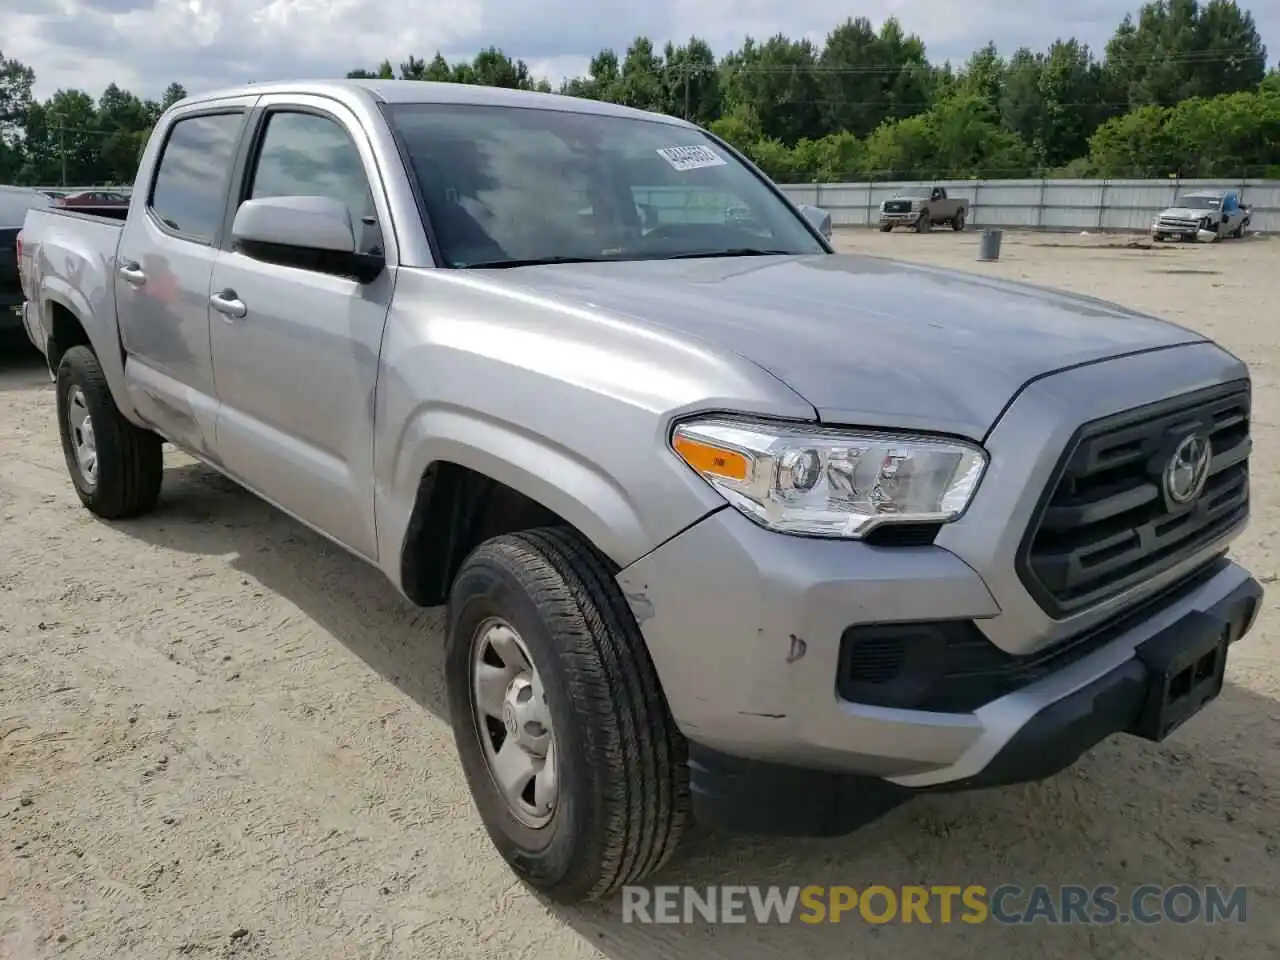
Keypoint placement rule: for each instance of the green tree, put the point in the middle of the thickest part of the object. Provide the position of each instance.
(691, 82)
(778, 81)
(1179, 49)
(867, 77)
(16, 79)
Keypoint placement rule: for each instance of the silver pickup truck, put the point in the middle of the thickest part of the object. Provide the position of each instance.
(727, 528)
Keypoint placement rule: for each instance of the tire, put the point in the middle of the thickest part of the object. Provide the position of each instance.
(128, 462)
(620, 763)
(924, 222)
(886, 227)
(957, 222)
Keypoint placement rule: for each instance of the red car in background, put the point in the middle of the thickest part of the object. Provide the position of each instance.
(98, 199)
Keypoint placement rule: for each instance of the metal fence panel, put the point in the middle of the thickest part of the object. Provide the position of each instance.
(1076, 205)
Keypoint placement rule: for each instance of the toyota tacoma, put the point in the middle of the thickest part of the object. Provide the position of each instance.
(728, 529)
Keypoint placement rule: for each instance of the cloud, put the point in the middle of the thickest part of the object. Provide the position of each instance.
(143, 45)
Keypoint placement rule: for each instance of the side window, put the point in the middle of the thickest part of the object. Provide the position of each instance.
(190, 186)
(305, 155)
(690, 204)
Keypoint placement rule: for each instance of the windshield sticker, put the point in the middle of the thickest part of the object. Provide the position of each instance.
(691, 158)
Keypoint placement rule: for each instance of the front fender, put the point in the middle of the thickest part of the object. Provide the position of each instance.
(581, 492)
(569, 406)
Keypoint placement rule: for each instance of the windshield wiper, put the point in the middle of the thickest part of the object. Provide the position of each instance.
(530, 262)
(731, 252)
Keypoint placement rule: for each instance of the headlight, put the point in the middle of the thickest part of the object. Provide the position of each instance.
(815, 481)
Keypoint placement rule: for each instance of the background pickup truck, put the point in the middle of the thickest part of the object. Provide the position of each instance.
(923, 208)
(1204, 216)
(727, 528)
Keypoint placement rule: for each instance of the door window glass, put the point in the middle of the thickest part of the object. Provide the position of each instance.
(305, 155)
(190, 187)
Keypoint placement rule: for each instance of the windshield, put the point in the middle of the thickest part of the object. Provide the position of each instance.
(1200, 203)
(505, 186)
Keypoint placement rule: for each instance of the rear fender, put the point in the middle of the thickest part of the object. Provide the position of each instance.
(103, 334)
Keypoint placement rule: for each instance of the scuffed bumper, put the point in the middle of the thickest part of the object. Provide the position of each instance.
(744, 627)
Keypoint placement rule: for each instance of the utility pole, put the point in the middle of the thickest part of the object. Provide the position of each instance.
(686, 90)
(62, 153)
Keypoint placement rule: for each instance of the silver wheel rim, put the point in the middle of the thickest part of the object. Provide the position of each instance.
(513, 722)
(83, 441)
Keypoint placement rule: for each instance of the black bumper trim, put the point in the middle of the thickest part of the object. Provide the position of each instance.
(748, 796)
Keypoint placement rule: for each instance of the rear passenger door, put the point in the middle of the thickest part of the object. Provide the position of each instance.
(296, 372)
(162, 270)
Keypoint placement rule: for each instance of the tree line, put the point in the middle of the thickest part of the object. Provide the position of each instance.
(1182, 88)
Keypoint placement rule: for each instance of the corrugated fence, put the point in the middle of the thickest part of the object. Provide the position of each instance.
(1076, 205)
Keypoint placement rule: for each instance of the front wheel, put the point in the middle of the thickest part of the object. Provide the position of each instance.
(886, 227)
(924, 222)
(957, 222)
(569, 749)
(116, 467)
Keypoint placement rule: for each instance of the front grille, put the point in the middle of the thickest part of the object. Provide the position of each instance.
(897, 206)
(1177, 223)
(1106, 524)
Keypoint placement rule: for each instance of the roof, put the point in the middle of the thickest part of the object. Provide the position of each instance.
(423, 91)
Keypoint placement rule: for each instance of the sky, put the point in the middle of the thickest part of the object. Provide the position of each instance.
(143, 45)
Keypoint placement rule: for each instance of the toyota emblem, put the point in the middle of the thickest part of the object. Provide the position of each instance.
(1188, 469)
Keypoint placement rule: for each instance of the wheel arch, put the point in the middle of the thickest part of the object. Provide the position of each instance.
(476, 478)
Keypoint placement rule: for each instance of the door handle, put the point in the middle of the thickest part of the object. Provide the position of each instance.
(228, 304)
(132, 274)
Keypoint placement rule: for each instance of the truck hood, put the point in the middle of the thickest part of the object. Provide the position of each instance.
(1187, 213)
(864, 340)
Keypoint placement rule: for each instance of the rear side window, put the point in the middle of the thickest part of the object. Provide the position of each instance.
(190, 186)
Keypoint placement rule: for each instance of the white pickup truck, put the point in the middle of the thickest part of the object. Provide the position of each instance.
(1207, 216)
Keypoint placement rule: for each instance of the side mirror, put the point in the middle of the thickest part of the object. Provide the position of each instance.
(818, 217)
(310, 233)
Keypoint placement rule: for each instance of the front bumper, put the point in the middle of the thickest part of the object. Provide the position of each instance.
(1129, 696)
(746, 627)
(899, 219)
(1184, 232)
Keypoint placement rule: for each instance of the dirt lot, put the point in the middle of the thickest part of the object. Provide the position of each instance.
(220, 736)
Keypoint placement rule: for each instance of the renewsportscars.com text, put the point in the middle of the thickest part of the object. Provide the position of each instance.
(938, 904)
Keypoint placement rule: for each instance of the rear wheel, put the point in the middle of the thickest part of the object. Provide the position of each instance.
(568, 746)
(116, 467)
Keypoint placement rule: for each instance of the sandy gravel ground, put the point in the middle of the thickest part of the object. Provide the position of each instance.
(222, 737)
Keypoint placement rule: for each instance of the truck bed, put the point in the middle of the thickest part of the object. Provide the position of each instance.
(72, 253)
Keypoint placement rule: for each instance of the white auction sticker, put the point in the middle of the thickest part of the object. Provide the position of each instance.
(691, 158)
